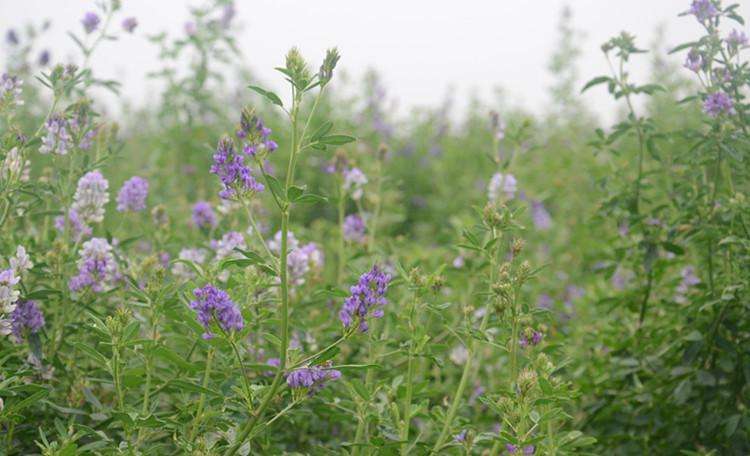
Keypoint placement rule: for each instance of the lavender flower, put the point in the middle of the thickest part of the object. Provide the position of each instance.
(97, 269)
(689, 280)
(460, 437)
(44, 58)
(235, 176)
(540, 216)
(132, 196)
(11, 37)
(254, 134)
(10, 90)
(8, 292)
(501, 184)
(510, 448)
(227, 14)
(26, 319)
(545, 301)
(302, 260)
(703, 10)
(90, 22)
(190, 28)
(313, 378)
(57, 139)
(367, 298)
(736, 40)
(129, 24)
(203, 215)
(718, 103)
(694, 60)
(354, 228)
(225, 246)
(213, 303)
(529, 450)
(354, 181)
(78, 228)
(21, 262)
(91, 196)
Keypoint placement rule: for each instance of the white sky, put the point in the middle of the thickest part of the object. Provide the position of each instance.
(421, 48)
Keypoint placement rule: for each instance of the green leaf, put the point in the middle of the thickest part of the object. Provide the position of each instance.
(270, 96)
(336, 140)
(294, 192)
(321, 131)
(276, 188)
(595, 81)
(310, 198)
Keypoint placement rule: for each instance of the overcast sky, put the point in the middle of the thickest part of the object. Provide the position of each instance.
(421, 47)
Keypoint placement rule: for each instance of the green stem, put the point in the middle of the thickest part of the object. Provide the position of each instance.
(342, 250)
(202, 397)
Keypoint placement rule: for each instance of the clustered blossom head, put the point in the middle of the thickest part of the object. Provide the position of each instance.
(354, 228)
(10, 90)
(694, 60)
(213, 303)
(9, 278)
(703, 10)
(11, 37)
(203, 215)
(540, 216)
(354, 181)
(301, 258)
(129, 24)
(90, 22)
(57, 140)
(718, 103)
(26, 319)
(225, 246)
(132, 196)
(15, 167)
(235, 175)
(44, 58)
(97, 269)
(367, 298)
(255, 136)
(313, 378)
(501, 185)
(530, 337)
(91, 196)
(78, 228)
(183, 271)
(528, 450)
(736, 40)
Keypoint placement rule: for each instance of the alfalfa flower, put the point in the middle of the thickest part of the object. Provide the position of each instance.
(57, 139)
(97, 269)
(90, 22)
(694, 60)
(354, 228)
(26, 319)
(312, 378)
(540, 216)
(132, 195)
(736, 40)
(502, 185)
(235, 175)
(213, 304)
(354, 182)
(367, 299)
(183, 271)
(91, 196)
(255, 135)
(78, 228)
(203, 215)
(129, 24)
(718, 103)
(703, 10)
(10, 90)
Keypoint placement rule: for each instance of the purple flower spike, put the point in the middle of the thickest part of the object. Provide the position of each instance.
(129, 24)
(367, 298)
(203, 215)
(90, 22)
(26, 318)
(211, 303)
(718, 103)
(132, 196)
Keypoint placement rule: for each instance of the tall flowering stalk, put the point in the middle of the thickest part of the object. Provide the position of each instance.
(302, 81)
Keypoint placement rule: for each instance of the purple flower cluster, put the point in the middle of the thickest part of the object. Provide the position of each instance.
(10, 90)
(78, 228)
(129, 24)
(254, 134)
(211, 303)
(313, 378)
(694, 60)
(203, 215)
(718, 103)
(90, 22)
(26, 319)
(528, 450)
(736, 40)
(57, 140)
(689, 280)
(367, 297)
(91, 196)
(11, 37)
(530, 337)
(354, 228)
(234, 173)
(97, 269)
(540, 216)
(703, 10)
(502, 184)
(132, 196)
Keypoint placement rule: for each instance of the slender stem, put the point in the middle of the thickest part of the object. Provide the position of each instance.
(257, 232)
(202, 397)
(342, 250)
(311, 357)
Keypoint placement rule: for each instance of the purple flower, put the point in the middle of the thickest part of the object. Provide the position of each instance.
(90, 22)
(91, 196)
(354, 228)
(460, 437)
(694, 60)
(545, 301)
(227, 14)
(736, 40)
(97, 269)
(26, 318)
(367, 298)
(78, 228)
(57, 140)
(718, 103)
(132, 196)
(313, 378)
(213, 303)
(11, 37)
(502, 184)
(44, 58)
(510, 448)
(703, 10)
(129, 24)
(234, 174)
(10, 90)
(528, 450)
(203, 215)
(689, 280)
(536, 337)
(190, 28)
(354, 182)
(540, 216)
